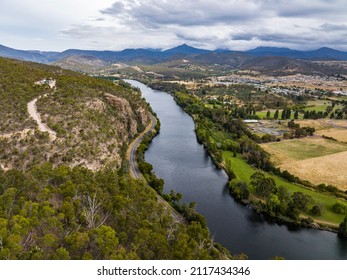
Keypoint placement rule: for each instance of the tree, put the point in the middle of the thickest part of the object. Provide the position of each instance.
(339, 208)
(263, 186)
(276, 115)
(268, 114)
(92, 212)
(239, 189)
(61, 254)
(343, 228)
(273, 204)
(296, 114)
(7, 201)
(301, 200)
(103, 242)
(316, 210)
(145, 167)
(288, 113)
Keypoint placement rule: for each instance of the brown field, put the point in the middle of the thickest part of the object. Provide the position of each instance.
(322, 124)
(314, 159)
(330, 169)
(336, 129)
(339, 134)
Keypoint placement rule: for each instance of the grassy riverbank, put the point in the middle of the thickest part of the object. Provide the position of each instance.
(244, 171)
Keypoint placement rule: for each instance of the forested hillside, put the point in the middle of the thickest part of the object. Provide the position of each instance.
(70, 196)
(93, 119)
(64, 213)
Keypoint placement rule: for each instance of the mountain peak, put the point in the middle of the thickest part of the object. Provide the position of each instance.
(185, 49)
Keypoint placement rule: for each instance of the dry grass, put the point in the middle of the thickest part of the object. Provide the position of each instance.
(322, 124)
(314, 159)
(337, 133)
(330, 169)
(301, 149)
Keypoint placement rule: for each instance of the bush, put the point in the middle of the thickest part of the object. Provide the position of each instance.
(239, 190)
(339, 208)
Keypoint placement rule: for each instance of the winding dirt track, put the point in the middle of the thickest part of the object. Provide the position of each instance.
(32, 109)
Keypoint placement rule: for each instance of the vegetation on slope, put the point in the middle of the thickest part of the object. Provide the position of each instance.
(71, 198)
(94, 119)
(64, 213)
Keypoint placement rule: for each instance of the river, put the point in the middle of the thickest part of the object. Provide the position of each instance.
(185, 166)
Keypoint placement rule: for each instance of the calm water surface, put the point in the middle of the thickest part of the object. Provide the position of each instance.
(183, 163)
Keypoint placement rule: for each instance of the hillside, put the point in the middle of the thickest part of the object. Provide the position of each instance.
(65, 191)
(94, 120)
(84, 63)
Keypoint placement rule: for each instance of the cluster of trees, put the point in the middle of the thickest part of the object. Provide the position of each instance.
(275, 200)
(146, 168)
(339, 113)
(210, 122)
(297, 132)
(315, 114)
(278, 201)
(64, 213)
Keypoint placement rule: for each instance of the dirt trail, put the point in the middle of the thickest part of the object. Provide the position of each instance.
(32, 109)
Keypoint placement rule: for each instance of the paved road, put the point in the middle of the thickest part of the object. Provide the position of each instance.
(135, 172)
(134, 169)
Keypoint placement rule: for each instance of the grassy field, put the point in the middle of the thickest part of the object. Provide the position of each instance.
(339, 134)
(317, 105)
(243, 171)
(314, 159)
(336, 129)
(301, 149)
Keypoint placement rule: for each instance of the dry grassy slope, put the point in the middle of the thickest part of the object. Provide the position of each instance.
(94, 119)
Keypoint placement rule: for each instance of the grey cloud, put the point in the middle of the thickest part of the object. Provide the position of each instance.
(196, 37)
(333, 27)
(243, 37)
(164, 23)
(154, 14)
(116, 9)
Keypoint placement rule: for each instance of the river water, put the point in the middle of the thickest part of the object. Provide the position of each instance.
(185, 166)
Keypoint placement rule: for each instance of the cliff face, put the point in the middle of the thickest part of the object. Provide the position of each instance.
(94, 120)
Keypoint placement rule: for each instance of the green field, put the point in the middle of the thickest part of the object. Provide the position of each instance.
(320, 105)
(317, 105)
(243, 171)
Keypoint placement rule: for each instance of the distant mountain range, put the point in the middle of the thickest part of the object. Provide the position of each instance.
(150, 56)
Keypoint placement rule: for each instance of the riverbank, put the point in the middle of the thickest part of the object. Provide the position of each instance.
(317, 211)
(184, 164)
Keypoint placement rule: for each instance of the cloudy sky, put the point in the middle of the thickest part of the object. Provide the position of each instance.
(118, 24)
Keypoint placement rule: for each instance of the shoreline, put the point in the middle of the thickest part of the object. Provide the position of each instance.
(304, 222)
